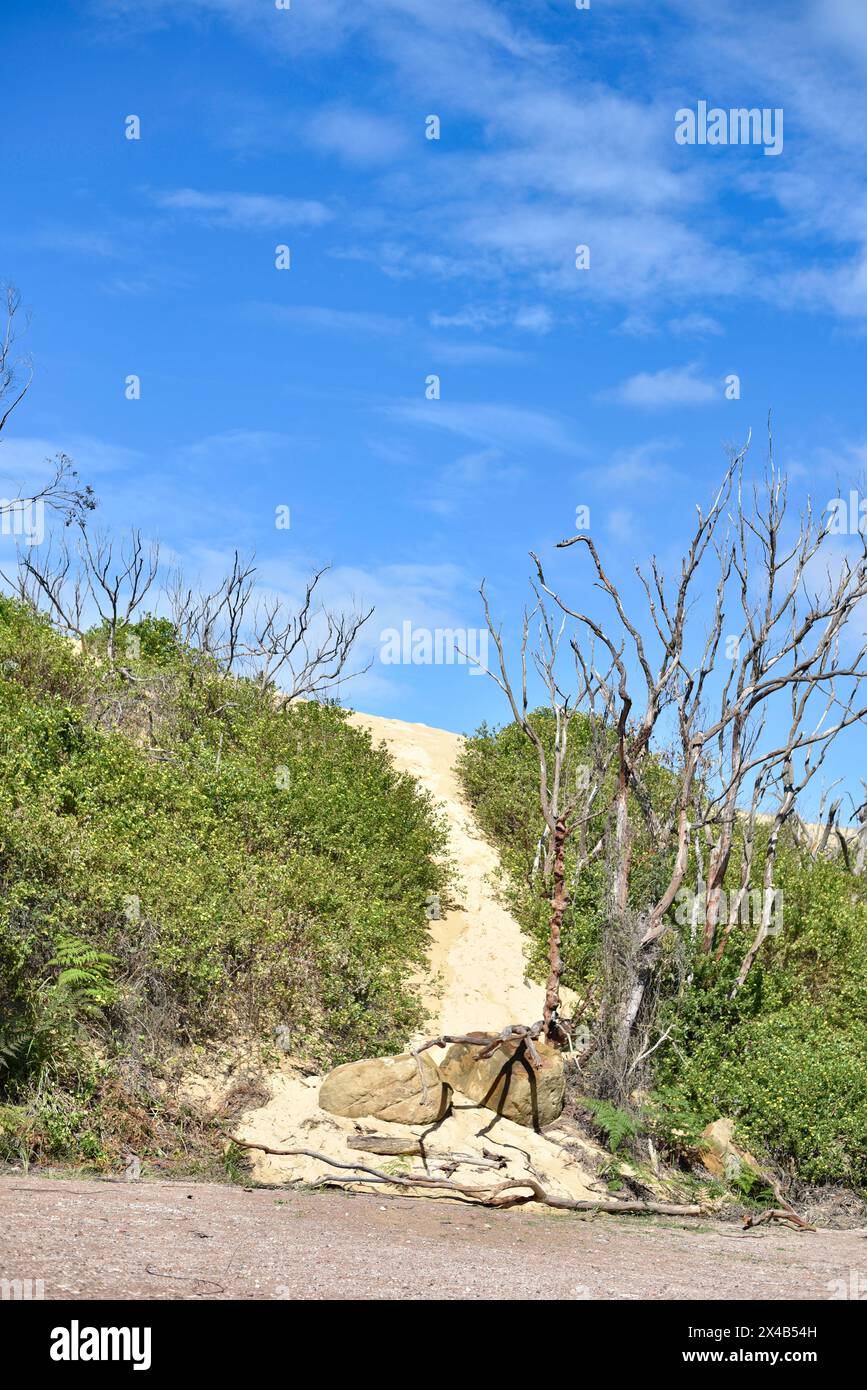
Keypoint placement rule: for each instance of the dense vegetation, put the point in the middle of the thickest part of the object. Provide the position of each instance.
(182, 859)
(787, 1058)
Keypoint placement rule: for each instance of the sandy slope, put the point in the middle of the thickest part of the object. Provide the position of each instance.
(478, 951)
(475, 981)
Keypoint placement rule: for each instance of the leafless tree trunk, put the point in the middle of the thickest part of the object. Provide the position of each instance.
(781, 626)
(62, 493)
(558, 906)
(567, 798)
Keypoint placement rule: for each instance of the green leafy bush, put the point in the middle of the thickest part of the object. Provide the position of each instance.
(788, 1058)
(182, 858)
(499, 772)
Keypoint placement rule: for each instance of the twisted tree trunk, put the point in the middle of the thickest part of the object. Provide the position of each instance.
(553, 1031)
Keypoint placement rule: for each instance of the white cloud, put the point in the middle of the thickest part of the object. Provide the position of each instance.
(695, 326)
(555, 160)
(483, 468)
(620, 524)
(237, 444)
(359, 137)
(670, 386)
(640, 463)
(638, 326)
(474, 316)
(243, 211)
(83, 242)
(529, 318)
(535, 318)
(26, 458)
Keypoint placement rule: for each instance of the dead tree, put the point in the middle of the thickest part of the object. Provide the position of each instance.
(99, 580)
(860, 818)
(306, 647)
(52, 583)
(62, 493)
(118, 581)
(780, 626)
(568, 789)
(211, 622)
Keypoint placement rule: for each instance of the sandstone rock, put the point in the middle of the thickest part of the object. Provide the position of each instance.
(506, 1082)
(386, 1088)
(721, 1156)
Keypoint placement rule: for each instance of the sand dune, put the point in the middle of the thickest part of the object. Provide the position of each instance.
(478, 950)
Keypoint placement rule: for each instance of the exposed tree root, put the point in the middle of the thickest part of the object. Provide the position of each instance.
(503, 1194)
(515, 1032)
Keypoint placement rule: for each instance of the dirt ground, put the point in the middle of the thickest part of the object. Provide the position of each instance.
(98, 1239)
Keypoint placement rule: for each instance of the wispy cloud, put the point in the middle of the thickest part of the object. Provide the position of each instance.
(475, 354)
(23, 457)
(496, 426)
(323, 318)
(482, 468)
(80, 241)
(358, 136)
(583, 160)
(244, 211)
(695, 326)
(528, 318)
(640, 463)
(235, 444)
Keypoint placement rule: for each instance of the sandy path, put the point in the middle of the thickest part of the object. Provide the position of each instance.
(166, 1240)
(478, 950)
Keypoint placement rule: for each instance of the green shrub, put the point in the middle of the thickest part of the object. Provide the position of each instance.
(787, 1059)
(181, 858)
(499, 772)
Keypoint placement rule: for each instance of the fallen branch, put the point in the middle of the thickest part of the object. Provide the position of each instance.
(503, 1194)
(778, 1214)
(384, 1144)
(395, 1147)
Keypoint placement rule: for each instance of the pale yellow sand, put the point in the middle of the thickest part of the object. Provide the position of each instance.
(478, 950)
(476, 980)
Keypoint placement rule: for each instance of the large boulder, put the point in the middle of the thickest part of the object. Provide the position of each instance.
(506, 1081)
(387, 1088)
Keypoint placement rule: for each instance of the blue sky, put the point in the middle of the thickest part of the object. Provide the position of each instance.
(306, 387)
